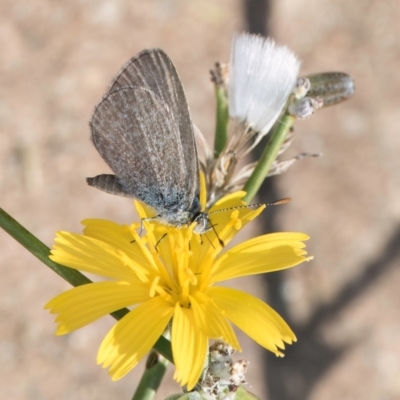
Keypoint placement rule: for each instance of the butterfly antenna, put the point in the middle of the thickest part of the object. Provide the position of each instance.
(274, 203)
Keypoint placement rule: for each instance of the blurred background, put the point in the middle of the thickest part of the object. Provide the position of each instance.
(57, 59)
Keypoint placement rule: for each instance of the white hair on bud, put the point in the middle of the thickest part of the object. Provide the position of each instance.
(262, 75)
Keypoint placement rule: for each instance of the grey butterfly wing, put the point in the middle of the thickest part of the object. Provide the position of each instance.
(137, 135)
(152, 69)
(160, 89)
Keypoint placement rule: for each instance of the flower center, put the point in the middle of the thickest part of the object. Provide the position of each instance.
(174, 280)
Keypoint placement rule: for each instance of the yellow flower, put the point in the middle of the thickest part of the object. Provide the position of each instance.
(171, 274)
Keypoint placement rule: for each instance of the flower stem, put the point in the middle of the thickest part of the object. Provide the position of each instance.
(268, 156)
(221, 129)
(75, 278)
(39, 249)
(156, 366)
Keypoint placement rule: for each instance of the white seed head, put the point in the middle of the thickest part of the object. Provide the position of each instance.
(262, 75)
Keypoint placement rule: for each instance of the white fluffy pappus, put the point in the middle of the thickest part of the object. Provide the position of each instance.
(262, 75)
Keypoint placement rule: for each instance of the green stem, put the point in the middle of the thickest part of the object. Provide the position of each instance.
(267, 158)
(156, 366)
(221, 129)
(75, 278)
(39, 249)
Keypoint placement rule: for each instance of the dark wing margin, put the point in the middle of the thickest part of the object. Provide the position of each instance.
(153, 70)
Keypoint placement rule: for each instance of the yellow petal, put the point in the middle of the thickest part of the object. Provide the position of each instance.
(211, 320)
(229, 201)
(94, 256)
(203, 191)
(189, 347)
(228, 216)
(133, 336)
(108, 232)
(267, 253)
(84, 304)
(144, 210)
(254, 317)
(205, 247)
(121, 237)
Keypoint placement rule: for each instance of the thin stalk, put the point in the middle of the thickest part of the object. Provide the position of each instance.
(221, 128)
(156, 366)
(267, 158)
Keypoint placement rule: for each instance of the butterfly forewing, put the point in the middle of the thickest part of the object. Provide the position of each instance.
(143, 130)
(152, 69)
